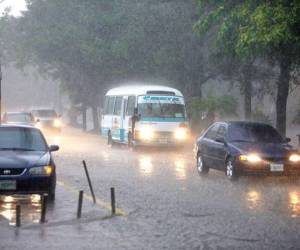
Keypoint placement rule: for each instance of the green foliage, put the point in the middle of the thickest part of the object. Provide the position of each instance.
(255, 29)
(296, 119)
(90, 44)
(260, 116)
(199, 108)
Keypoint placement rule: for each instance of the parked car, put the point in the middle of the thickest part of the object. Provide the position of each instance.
(47, 119)
(246, 148)
(26, 164)
(22, 118)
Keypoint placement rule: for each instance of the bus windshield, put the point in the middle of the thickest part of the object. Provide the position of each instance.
(162, 107)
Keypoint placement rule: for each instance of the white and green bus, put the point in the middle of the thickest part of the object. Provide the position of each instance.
(144, 115)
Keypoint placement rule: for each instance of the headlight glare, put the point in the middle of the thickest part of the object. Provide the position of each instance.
(57, 123)
(146, 133)
(43, 170)
(253, 158)
(180, 134)
(294, 158)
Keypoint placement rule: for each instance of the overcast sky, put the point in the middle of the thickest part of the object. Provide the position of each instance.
(16, 6)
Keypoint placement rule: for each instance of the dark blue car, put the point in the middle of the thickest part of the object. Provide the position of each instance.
(246, 148)
(26, 164)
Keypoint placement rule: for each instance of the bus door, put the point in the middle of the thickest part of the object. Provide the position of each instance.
(116, 119)
(123, 127)
(107, 116)
(127, 118)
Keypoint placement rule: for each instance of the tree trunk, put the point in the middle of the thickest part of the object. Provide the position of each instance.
(282, 95)
(84, 118)
(248, 99)
(95, 118)
(196, 89)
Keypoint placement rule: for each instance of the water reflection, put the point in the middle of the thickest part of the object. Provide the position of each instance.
(30, 208)
(294, 203)
(253, 198)
(105, 155)
(180, 169)
(145, 165)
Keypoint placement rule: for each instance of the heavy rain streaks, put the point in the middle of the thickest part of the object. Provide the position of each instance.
(187, 110)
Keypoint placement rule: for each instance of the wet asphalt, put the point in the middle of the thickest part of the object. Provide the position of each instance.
(162, 203)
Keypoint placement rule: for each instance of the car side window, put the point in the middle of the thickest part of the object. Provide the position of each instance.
(212, 132)
(221, 132)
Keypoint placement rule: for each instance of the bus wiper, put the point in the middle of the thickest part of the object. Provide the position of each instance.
(161, 109)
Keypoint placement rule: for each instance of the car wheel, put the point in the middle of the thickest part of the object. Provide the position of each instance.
(202, 168)
(230, 170)
(51, 197)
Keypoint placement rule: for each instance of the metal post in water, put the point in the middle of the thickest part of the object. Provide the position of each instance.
(79, 208)
(18, 216)
(44, 208)
(113, 201)
(89, 181)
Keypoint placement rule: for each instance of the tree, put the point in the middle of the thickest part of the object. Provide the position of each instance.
(91, 45)
(268, 30)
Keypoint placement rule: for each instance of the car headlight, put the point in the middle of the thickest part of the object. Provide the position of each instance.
(253, 158)
(294, 158)
(43, 170)
(146, 133)
(57, 123)
(180, 134)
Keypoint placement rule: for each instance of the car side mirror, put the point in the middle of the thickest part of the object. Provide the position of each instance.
(287, 140)
(53, 148)
(220, 140)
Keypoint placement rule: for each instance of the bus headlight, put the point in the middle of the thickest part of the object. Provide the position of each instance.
(57, 123)
(146, 133)
(180, 134)
(38, 125)
(44, 170)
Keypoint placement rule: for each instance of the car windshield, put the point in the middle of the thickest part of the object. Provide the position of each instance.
(18, 118)
(253, 133)
(24, 139)
(45, 113)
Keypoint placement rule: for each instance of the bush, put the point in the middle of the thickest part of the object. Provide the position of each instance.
(204, 111)
(259, 116)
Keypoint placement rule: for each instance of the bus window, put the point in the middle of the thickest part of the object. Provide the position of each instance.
(130, 105)
(106, 105)
(118, 104)
(111, 103)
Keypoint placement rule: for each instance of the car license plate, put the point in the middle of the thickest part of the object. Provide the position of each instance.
(277, 167)
(163, 140)
(8, 185)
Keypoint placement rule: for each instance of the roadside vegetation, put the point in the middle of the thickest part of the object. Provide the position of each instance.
(93, 45)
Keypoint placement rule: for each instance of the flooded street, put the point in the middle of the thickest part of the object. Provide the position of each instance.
(161, 201)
